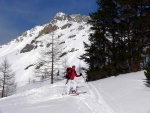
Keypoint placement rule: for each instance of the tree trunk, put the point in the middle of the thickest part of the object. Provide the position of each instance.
(52, 61)
(3, 88)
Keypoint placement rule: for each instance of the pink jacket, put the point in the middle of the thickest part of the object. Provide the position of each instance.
(73, 74)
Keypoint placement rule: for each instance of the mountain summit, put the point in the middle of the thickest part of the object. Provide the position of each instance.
(72, 18)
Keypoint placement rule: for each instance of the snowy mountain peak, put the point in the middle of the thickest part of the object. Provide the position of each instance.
(73, 18)
(60, 14)
(60, 17)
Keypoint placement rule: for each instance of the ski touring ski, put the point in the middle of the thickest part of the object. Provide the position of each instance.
(77, 93)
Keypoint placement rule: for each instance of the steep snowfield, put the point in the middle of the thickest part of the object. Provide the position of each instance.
(72, 36)
(123, 94)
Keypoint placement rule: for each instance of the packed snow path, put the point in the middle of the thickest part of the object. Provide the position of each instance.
(49, 99)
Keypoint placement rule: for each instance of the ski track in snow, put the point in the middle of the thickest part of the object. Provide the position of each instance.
(100, 103)
(119, 108)
(94, 101)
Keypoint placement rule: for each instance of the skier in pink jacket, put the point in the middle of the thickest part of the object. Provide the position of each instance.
(71, 80)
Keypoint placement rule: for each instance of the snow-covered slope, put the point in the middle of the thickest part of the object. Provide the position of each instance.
(23, 52)
(123, 94)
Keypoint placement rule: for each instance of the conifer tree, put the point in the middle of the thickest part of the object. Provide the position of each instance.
(98, 52)
(147, 72)
(118, 41)
(134, 18)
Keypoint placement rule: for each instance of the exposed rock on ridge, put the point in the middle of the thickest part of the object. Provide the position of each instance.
(75, 18)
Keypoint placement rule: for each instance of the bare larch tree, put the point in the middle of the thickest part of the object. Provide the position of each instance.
(7, 79)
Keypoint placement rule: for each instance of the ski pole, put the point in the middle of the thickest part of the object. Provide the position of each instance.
(65, 86)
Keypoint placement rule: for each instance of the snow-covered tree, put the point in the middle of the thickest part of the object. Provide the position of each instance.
(7, 79)
(147, 72)
(50, 59)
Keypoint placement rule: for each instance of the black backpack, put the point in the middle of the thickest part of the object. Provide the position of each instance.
(68, 74)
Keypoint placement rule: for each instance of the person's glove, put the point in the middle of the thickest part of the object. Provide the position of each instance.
(80, 74)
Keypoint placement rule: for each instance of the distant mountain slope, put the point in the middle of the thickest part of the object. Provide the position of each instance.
(23, 51)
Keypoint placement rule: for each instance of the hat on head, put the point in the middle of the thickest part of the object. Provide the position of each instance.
(73, 66)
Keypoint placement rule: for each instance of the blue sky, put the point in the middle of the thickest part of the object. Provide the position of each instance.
(17, 16)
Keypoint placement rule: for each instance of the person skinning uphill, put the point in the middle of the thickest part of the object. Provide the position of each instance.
(72, 74)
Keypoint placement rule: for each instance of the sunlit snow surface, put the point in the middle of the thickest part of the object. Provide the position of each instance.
(123, 94)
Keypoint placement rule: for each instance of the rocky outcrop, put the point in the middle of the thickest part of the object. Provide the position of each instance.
(27, 48)
(47, 29)
(72, 36)
(79, 18)
(75, 18)
(66, 26)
